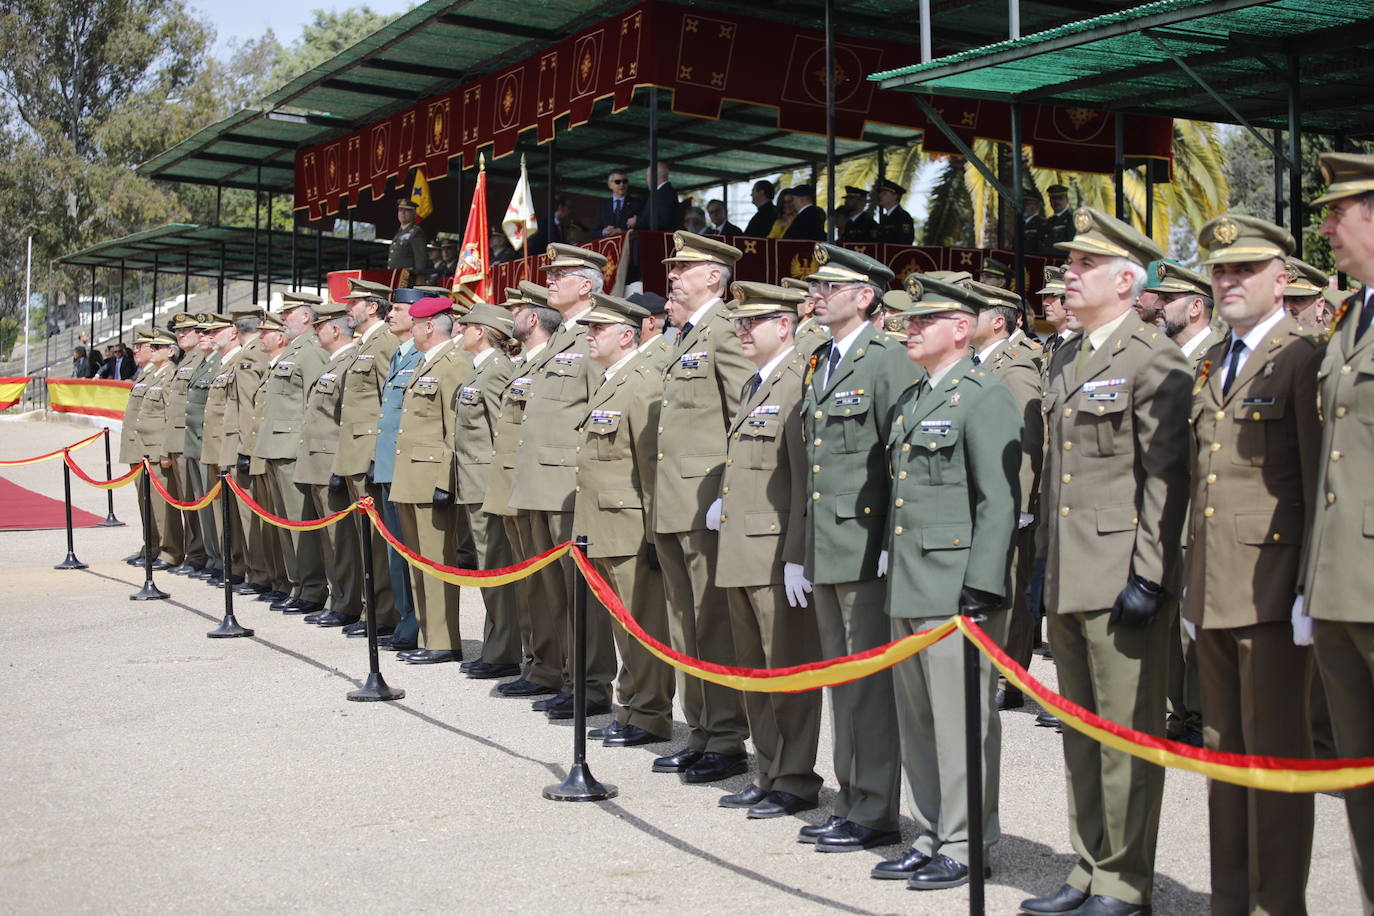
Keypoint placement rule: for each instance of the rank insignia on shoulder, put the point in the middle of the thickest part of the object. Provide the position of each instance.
(1268, 370)
(954, 400)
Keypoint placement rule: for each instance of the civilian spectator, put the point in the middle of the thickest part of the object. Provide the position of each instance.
(662, 213)
(693, 220)
(809, 223)
(499, 250)
(613, 215)
(787, 211)
(717, 222)
(761, 223)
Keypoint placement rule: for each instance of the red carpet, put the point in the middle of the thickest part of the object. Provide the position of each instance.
(25, 510)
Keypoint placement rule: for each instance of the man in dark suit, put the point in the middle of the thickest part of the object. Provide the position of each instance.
(1031, 207)
(717, 221)
(660, 214)
(861, 226)
(895, 225)
(614, 214)
(761, 223)
(809, 223)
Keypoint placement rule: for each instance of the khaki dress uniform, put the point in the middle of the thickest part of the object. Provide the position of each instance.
(424, 463)
(279, 439)
(477, 409)
(266, 561)
(212, 451)
(129, 443)
(314, 465)
(193, 466)
(245, 369)
(955, 456)
(152, 427)
(616, 462)
(1113, 500)
(173, 448)
(763, 497)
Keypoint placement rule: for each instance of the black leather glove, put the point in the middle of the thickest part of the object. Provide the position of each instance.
(371, 469)
(443, 499)
(974, 602)
(1138, 602)
(653, 557)
(243, 463)
(337, 484)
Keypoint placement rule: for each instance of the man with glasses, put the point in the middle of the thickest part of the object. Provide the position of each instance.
(852, 386)
(613, 215)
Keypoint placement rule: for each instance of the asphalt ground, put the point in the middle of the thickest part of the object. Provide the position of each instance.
(146, 768)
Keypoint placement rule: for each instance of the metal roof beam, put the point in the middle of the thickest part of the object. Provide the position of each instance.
(386, 92)
(400, 66)
(513, 29)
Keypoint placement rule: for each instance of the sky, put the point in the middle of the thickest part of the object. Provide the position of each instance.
(240, 20)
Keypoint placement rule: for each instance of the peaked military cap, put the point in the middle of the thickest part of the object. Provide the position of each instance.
(366, 289)
(271, 321)
(1057, 190)
(689, 247)
(490, 316)
(838, 265)
(246, 310)
(561, 255)
(1101, 234)
(794, 283)
(653, 303)
(1304, 279)
(1054, 282)
(851, 191)
(750, 299)
(613, 310)
(1236, 239)
(1170, 277)
(157, 337)
(407, 296)
(435, 290)
(1347, 174)
(887, 184)
(534, 294)
(994, 295)
(928, 296)
(405, 203)
(294, 298)
(328, 311)
(210, 321)
(995, 268)
(181, 321)
(945, 276)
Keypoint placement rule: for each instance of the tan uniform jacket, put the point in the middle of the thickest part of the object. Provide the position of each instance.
(477, 410)
(658, 352)
(362, 401)
(128, 435)
(505, 439)
(424, 443)
(289, 381)
(152, 420)
(811, 334)
(546, 454)
(175, 440)
(763, 488)
(1115, 485)
(250, 423)
(701, 392)
(1014, 367)
(216, 400)
(1210, 338)
(1254, 466)
(244, 375)
(616, 463)
(320, 439)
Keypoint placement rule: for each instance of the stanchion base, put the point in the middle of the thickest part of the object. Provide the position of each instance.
(70, 563)
(375, 689)
(149, 592)
(580, 785)
(229, 628)
(110, 522)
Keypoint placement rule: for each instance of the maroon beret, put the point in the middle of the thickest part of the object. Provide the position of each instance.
(428, 308)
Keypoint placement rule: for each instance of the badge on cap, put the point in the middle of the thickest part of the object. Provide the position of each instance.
(822, 256)
(914, 289)
(1226, 232)
(1082, 221)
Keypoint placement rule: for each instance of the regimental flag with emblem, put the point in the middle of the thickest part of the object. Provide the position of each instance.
(11, 390)
(420, 196)
(520, 222)
(472, 279)
(94, 397)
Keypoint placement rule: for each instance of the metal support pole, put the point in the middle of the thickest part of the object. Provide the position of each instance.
(149, 591)
(1149, 197)
(461, 191)
(71, 562)
(295, 275)
(348, 245)
(219, 282)
(257, 218)
(1295, 214)
(1278, 178)
(973, 773)
(1018, 232)
(110, 520)
(882, 162)
(119, 332)
(830, 116)
(219, 201)
(319, 259)
(552, 203)
(1013, 19)
(229, 627)
(1119, 167)
(653, 152)
(153, 320)
(375, 688)
(925, 31)
(91, 355)
(186, 284)
(580, 785)
(267, 258)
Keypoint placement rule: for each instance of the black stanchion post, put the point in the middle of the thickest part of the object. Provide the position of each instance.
(973, 767)
(376, 688)
(229, 627)
(580, 785)
(110, 520)
(149, 591)
(71, 562)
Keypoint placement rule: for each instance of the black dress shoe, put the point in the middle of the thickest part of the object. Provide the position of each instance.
(432, 656)
(676, 763)
(711, 767)
(544, 704)
(313, 618)
(522, 687)
(632, 736)
(468, 663)
(134, 559)
(779, 804)
(1110, 906)
(747, 797)
(606, 731)
(185, 569)
(405, 654)
(566, 710)
(234, 579)
(489, 671)
(204, 572)
(1065, 900)
(900, 869)
(851, 837)
(357, 628)
(281, 604)
(1010, 698)
(272, 596)
(215, 581)
(392, 644)
(335, 619)
(941, 873)
(248, 588)
(299, 606)
(812, 832)
(1045, 720)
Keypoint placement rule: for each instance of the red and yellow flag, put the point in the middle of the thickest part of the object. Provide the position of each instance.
(95, 397)
(472, 279)
(12, 389)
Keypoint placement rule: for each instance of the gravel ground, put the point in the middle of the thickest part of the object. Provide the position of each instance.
(147, 769)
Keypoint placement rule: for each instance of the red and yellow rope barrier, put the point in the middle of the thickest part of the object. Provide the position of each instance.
(195, 505)
(51, 455)
(112, 483)
(309, 524)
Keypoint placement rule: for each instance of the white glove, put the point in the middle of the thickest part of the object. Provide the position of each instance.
(1189, 627)
(882, 564)
(1024, 520)
(796, 584)
(1302, 624)
(713, 515)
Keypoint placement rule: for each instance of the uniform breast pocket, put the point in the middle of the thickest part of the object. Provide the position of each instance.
(603, 438)
(758, 439)
(1364, 391)
(691, 386)
(853, 415)
(934, 456)
(1103, 418)
(562, 384)
(1258, 429)
(326, 385)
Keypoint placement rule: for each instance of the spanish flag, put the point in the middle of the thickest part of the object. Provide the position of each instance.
(419, 195)
(95, 397)
(11, 390)
(473, 277)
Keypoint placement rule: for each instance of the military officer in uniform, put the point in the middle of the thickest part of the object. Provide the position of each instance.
(1337, 575)
(852, 385)
(1052, 302)
(194, 470)
(809, 332)
(1255, 441)
(408, 249)
(1303, 296)
(955, 455)
(151, 428)
(245, 367)
(894, 225)
(423, 482)
(861, 226)
(1113, 498)
(701, 393)
(615, 475)
(224, 338)
(183, 327)
(1033, 235)
(994, 273)
(546, 474)
(1059, 224)
(761, 551)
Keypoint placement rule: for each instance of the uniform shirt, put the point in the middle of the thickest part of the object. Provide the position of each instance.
(843, 345)
(1252, 341)
(1192, 346)
(619, 364)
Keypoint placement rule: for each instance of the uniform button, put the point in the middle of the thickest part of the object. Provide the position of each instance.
(1215, 446)
(817, 441)
(846, 411)
(818, 415)
(1275, 536)
(665, 403)
(906, 446)
(901, 475)
(729, 462)
(660, 456)
(660, 429)
(1064, 512)
(1211, 478)
(897, 530)
(1340, 411)
(577, 489)
(815, 496)
(723, 518)
(815, 469)
(1068, 411)
(1135, 521)
(578, 449)
(1208, 512)
(724, 490)
(867, 511)
(1335, 455)
(899, 502)
(1101, 409)
(1255, 415)
(398, 451)
(621, 502)
(524, 417)
(736, 437)
(1330, 498)
(1068, 446)
(772, 527)
(956, 542)
(1220, 415)
(1346, 370)
(1066, 478)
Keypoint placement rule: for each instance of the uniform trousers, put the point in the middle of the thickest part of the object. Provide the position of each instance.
(1185, 687)
(1023, 629)
(167, 517)
(785, 728)
(384, 607)
(203, 548)
(274, 542)
(344, 571)
(644, 686)
(522, 595)
(868, 761)
(300, 549)
(402, 595)
(500, 634)
(1345, 657)
(252, 551)
(546, 592)
(1120, 673)
(183, 486)
(699, 626)
(433, 533)
(930, 717)
(1254, 701)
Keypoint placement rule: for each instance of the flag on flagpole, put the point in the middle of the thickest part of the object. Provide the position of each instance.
(473, 276)
(520, 223)
(419, 195)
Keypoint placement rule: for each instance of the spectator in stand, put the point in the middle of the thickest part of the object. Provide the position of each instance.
(693, 220)
(614, 215)
(661, 214)
(717, 221)
(499, 250)
(809, 222)
(127, 366)
(79, 362)
(110, 367)
(761, 223)
(787, 211)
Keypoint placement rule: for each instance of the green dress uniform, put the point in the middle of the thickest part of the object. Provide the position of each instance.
(173, 447)
(212, 448)
(194, 468)
(1113, 499)
(268, 545)
(955, 456)
(763, 498)
(409, 250)
(246, 370)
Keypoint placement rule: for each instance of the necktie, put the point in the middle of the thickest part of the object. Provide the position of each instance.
(976, 360)
(1085, 352)
(833, 364)
(1233, 367)
(751, 387)
(1366, 315)
(686, 329)
(616, 211)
